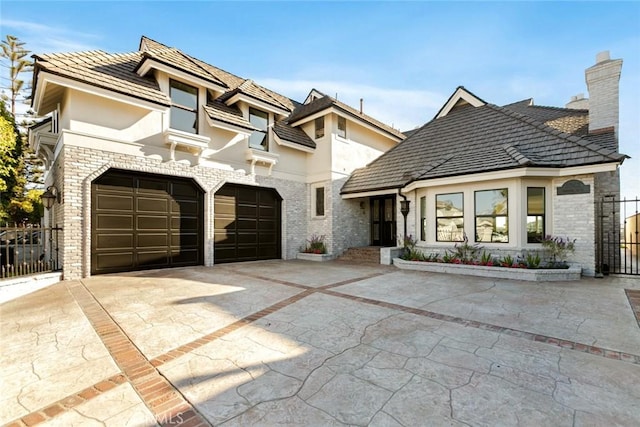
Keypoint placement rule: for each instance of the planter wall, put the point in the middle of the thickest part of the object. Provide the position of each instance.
(530, 274)
(314, 257)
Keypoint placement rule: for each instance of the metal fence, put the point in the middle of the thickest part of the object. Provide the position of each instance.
(618, 249)
(28, 249)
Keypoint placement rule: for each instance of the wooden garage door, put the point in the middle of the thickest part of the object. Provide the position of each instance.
(247, 224)
(141, 221)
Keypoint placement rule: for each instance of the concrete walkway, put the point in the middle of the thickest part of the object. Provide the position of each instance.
(303, 343)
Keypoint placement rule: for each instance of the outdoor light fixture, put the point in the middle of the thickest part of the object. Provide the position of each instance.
(404, 210)
(50, 196)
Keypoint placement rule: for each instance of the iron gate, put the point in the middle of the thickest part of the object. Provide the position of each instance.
(618, 248)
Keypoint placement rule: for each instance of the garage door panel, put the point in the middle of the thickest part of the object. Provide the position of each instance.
(115, 203)
(152, 186)
(148, 222)
(120, 242)
(154, 240)
(152, 228)
(114, 222)
(247, 224)
(185, 191)
(114, 261)
(152, 258)
(155, 204)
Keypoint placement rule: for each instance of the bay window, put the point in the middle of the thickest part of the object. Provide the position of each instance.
(491, 216)
(450, 217)
(535, 214)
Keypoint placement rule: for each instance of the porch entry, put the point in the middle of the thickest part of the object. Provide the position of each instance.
(383, 220)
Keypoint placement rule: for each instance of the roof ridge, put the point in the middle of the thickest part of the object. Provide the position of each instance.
(516, 154)
(591, 146)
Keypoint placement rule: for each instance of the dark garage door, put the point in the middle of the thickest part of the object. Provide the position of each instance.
(247, 224)
(141, 221)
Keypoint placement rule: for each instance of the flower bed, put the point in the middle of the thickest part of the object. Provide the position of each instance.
(314, 257)
(530, 274)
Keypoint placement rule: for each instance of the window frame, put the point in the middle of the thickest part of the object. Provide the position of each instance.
(423, 218)
(264, 145)
(174, 84)
(342, 133)
(323, 201)
(450, 217)
(493, 216)
(319, 130)
(541, 218)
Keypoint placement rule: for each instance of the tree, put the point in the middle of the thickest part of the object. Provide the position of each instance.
(19, 201)
(13, 50)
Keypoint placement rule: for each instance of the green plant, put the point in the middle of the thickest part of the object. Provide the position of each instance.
(315, 245)
(558, 249)
(466, 253)
(532, 259)
(486, 259)
(449, 257)
(411, 253)
(506, 261)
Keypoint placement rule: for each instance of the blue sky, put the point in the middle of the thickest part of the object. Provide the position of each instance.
(403, 58)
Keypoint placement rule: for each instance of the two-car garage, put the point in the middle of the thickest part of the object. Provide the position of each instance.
(142, 221)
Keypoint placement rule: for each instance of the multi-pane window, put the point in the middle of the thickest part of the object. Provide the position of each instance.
(492, 220)
(184, 107)
(259, 139)
(423, 218)
(450, 217)
(319, 127)
(535, 214)
(319, 201)
(342, 127)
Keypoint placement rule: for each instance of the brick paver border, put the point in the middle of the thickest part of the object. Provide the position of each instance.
(171, 408)
(634, 301)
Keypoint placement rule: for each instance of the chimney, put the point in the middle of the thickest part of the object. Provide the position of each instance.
(578, 102)
(603, 84)
(361, 102)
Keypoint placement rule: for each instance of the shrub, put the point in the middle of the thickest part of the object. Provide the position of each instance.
(466, 253)
(315, 245)
(411, 253)
(558, 249)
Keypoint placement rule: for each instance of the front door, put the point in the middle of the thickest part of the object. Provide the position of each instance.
(383, 221)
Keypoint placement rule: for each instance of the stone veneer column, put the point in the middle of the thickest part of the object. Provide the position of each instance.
(574, 217)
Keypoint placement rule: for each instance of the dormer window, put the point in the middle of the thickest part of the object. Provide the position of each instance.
(342, 127)
(184, 107)
(259, 139)
(319, 127)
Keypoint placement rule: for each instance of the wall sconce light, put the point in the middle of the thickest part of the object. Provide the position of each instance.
(50, 196)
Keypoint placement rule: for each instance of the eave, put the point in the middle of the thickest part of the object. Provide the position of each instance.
(255, 102)
(148, 64)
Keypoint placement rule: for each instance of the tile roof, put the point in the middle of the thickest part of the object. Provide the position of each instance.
(474, 140)
(563, 119)
(114, 72)
(253, 90)
(326, 101)
(296, 135)
(176, 59)
(220, 111)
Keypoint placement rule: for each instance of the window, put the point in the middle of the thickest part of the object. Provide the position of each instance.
(535, 214)
(319, 127)
(450, 217)
(259, 139)
(492, 221)
(319, 201)
(184, 107)
(342, 127)
(423, 218)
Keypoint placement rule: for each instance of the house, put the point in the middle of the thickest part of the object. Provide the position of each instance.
(161, 160)
(503, 176)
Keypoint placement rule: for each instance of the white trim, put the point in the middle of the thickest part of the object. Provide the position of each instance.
(149, 64)
(511, 173)
(349, 117)
(461, 94)
(370, 193)
(45, 78)
(257, 156)
(195, 142)
(293, 145)
(257, 103)
(226, 126)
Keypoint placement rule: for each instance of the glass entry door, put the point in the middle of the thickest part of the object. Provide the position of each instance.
(383, 221)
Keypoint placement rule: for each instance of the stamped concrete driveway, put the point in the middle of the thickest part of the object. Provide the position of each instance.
(302, 343)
